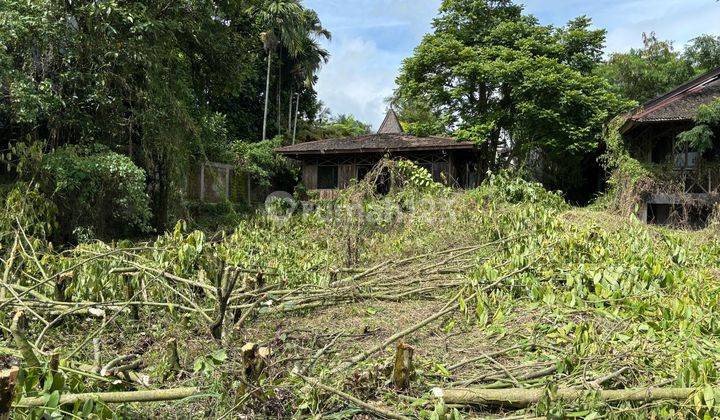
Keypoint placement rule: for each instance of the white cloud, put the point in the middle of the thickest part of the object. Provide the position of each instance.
(358, 79)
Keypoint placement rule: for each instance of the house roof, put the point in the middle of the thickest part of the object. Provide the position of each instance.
(375, 143)
(391, 124)
(680, 104)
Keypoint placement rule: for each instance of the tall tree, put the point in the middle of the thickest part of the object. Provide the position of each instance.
(703, 53)
(283, 21)
(165, 82)
(308, 60)
(496, 76)
(642, 74)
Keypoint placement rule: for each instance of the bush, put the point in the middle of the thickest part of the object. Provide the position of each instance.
(96, 191)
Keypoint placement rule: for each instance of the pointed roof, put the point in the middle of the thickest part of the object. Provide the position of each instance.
(680, 104)
(391, 124)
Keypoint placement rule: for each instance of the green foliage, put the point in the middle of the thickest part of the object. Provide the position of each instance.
(418, 119)
(701, 137)
(506, 187)
(627, 173)
(554, 287)
(495, 76)
(344, 125)
(25, 206)
(166, 84)
(96, 189)
(703, 53)
(417, 178)
(642, 74)
(656, 68)
(261, 162)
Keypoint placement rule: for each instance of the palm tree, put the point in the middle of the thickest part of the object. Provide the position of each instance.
(284, 22)
(308, 60)
(311, 57)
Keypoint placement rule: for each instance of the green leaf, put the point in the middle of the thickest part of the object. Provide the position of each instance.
(219, 355)
(88, 408)
(53, 400)
(709, 396)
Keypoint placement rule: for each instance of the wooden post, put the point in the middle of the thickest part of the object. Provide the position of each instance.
(403, 369)
(7, 391)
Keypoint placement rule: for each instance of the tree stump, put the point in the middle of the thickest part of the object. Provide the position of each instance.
(403, 368)
(61, 284)
(254, 360)
(8, 378)
(172, 357)
(130, 295)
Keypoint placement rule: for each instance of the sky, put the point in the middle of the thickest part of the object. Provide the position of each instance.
(372, 37)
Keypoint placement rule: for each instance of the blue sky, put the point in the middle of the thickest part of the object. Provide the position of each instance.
(371, 38)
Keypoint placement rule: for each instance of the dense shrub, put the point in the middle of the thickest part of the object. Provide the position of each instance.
(96, 192)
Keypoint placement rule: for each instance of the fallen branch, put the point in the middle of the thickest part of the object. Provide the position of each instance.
(368, 407)
(116, 397)
(520, 397)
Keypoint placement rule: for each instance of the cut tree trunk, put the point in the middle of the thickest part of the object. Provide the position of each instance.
(8, 378)
(403, 369)
(61, 284)
(254, 360)
(18, 332)
(173, 358)
(520, 397)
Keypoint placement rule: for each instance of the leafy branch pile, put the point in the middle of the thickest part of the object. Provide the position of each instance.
(503, 287)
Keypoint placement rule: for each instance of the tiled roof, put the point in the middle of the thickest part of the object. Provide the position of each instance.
(374, 143)
(681, 104)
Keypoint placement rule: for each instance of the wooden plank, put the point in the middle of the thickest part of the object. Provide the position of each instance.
(309, 176)
(345, 174)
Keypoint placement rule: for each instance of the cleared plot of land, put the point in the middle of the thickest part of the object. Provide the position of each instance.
(502, 288)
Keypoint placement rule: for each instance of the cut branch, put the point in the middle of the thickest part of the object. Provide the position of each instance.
(520, 397)
(117, 397)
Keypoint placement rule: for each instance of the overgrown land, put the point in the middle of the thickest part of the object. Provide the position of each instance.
(122, 298)
(362, 308)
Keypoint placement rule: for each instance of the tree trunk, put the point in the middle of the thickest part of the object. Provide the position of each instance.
(278, 112)
(403, 368)
(297, 111)
(162, 195)
(290, 109)
(267, 95)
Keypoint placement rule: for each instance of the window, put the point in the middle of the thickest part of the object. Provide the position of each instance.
(327, 177)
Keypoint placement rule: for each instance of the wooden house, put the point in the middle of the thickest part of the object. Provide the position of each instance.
(330, 165)
(651, 134)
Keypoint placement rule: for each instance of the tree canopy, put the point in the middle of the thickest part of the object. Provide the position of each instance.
(642, 74)
(163, 82)
(494, 75)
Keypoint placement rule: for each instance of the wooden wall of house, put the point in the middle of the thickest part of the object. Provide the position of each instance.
(309, 176)
(345, 174)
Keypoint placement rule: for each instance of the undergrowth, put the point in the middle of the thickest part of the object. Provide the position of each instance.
(559, 297)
